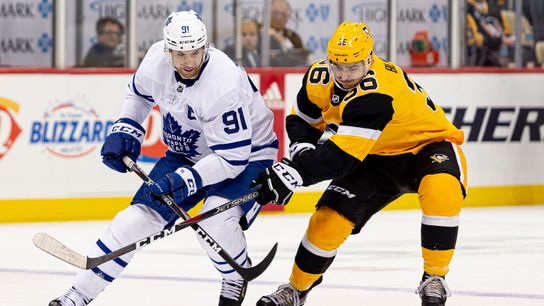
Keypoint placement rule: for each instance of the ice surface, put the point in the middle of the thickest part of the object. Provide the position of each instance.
(499, 260)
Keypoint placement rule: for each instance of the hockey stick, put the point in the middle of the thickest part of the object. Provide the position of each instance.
(247, 273)
(54, 247)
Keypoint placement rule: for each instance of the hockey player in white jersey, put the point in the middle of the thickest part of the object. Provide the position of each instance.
(219, 136)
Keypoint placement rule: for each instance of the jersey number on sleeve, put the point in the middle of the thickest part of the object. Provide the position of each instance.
(319, 75)
(413, 86)
(233, 120)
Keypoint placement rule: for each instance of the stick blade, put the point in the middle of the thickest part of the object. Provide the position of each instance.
(252, 273)
(55, 248)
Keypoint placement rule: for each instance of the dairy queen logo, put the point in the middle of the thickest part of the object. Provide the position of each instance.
(69, 129)
(153, 147)
(9, 128)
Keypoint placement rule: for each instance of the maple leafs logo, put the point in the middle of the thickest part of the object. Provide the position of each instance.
(178, 140)
(170, 124)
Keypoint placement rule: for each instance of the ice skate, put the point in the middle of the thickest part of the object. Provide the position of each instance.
(287, 295)
(433, 290)
(71, 298)
(232, 292)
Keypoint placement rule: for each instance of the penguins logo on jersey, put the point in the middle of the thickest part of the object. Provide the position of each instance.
(439, 158)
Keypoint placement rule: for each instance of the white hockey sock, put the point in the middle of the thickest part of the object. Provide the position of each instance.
(133, 223)
(226, 231)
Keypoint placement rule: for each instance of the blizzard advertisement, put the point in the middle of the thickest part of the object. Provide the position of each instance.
(69, 129)
(57, 128)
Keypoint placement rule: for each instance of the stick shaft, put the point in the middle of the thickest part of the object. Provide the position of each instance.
(247, 273)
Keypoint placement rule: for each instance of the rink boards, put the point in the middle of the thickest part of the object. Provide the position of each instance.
(53, 122)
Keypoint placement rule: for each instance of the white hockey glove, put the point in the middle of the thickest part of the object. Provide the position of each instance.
(299, 149)
(277, 183)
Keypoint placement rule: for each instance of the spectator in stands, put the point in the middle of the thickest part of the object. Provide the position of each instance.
(286, 47)
(496, 10)
(250, 43)
(534, 11)
(106, 52)
(484, 35)
(500, 10)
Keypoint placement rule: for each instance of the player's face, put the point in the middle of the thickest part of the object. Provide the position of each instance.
(348, 75)
(188, 63)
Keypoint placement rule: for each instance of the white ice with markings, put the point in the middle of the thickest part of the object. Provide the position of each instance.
(499, 261)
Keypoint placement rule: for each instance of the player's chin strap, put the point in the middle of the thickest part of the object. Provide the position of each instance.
(247, 273)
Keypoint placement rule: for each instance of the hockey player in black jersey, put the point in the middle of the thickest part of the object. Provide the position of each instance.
(390, 138)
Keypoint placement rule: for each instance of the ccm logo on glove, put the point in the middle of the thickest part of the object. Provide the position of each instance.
(286, 176)
(188, 179)
(122, 127)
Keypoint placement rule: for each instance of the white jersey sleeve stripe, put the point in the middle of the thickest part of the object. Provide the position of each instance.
(306, 117)
(274, 144)
(232, 145)
(148, 98)
(236, 162)
(359, 132)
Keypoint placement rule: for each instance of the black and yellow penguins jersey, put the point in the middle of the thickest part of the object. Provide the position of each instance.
(386, 114)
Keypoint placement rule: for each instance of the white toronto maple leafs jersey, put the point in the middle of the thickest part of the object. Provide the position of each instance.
(219, 120)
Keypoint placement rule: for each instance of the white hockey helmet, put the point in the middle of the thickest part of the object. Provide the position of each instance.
(184, 31)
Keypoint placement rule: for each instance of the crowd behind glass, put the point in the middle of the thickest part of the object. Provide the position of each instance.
(488, 36)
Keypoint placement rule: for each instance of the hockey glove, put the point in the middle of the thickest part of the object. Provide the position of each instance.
(299, 149)
(185, 181)
(125, 138)
(277, 183)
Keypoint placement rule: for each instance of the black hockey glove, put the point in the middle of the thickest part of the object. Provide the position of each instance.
(276, 183)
